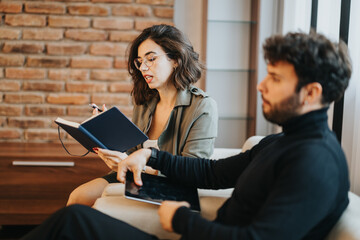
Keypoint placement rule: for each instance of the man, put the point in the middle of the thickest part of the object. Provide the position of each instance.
(292, 185)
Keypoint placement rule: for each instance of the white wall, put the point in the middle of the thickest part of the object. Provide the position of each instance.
(351, 120)
(269, 23)
(278, 17)
(188, 15)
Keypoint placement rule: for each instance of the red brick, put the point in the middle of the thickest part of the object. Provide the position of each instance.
(50, 62)
(120, 63)
(156, 2)
(142, 24)
(42, 110)
(112, 1)
(110, 75)
(88, 10)
(70, 22)
(79, 111)
(123, 36)
(2, 121)
(10, 86)
(121, 87)
(86, 35)
(11, 34)
(46, 86)
(23, 98)
(8, 7)
(65, 49)
(21, 47)
(131, 10)
(164, 12)
(25, 20)
(41, 134)
(1, 73)
(113, 23)
(111, 99)
(24, 73)
(108, 49)
(66, 98)
(10, 110)
(12, 60)
(91, 62)
(85, 87)
(10, 134)
(21, 122)
(48, 8)
(43, 34)
(68, 74)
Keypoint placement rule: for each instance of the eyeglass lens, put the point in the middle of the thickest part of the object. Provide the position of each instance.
(148, 61)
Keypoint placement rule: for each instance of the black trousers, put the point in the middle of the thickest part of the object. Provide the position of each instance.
(82, 222)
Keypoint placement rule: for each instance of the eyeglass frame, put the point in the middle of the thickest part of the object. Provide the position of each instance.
(146, 61)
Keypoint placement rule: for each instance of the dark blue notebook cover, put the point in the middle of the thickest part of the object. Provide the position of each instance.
(110, 130)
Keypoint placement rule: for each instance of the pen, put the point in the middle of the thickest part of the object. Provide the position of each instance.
(93, 105)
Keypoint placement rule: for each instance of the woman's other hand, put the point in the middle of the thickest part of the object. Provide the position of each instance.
(111, 158)
(96, 111)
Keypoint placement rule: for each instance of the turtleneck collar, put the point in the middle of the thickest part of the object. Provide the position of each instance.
(307, 122)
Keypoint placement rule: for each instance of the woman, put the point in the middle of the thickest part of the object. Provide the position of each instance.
(176, 116)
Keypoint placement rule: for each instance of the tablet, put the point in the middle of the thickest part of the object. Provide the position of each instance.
(156, 189)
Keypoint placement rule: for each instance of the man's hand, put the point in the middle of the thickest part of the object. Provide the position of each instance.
(135, 162)
(166, 212)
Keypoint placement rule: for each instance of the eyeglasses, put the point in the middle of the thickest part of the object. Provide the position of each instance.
(148, 60)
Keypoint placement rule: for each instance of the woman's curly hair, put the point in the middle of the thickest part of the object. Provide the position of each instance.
(178, 48)
(315, 59)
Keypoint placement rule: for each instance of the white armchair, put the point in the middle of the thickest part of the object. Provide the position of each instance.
(144, 215)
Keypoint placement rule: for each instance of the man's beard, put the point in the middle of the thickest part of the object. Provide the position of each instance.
(284, 110)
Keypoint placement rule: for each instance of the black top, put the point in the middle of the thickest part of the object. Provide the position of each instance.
(292, 185)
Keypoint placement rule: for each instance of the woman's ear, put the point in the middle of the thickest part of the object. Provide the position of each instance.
(175, 64)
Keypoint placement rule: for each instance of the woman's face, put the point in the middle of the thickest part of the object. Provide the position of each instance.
(154, 65)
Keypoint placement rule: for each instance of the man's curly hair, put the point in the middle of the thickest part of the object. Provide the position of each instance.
(315, 59)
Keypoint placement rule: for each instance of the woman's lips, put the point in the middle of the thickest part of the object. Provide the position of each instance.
(148, 78)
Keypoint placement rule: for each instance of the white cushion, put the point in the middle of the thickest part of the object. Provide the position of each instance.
(348, 227)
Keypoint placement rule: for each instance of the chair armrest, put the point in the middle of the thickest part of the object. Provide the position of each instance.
(348, 226)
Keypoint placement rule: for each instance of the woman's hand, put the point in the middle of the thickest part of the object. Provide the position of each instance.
(96, 111)
(111, 158)
(135, 162)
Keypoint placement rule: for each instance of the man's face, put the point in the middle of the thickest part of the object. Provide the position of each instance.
(280, 101)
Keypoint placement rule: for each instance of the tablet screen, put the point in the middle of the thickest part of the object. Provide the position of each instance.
(156, 189)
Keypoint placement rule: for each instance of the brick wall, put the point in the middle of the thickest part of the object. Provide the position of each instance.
(58, 56)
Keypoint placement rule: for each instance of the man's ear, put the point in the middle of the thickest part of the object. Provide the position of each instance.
(313, 93)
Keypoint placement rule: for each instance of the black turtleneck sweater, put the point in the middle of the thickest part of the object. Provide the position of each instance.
(292, 185)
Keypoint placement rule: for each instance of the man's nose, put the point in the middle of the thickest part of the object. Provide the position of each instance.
(260, 86)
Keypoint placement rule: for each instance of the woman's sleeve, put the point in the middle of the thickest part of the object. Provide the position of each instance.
(201, 137)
